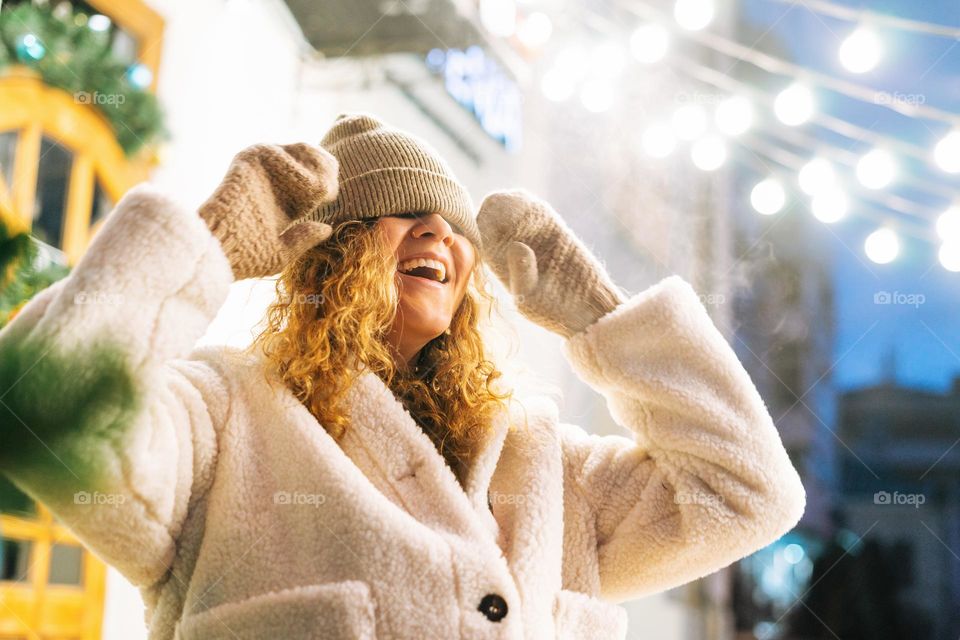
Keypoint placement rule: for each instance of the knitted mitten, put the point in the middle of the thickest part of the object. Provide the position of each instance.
(555, 280)
(255, 211)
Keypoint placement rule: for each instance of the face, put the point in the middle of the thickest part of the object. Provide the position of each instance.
(426, 305)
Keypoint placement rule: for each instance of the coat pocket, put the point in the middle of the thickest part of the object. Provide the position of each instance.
(578, 616)
(332, 611)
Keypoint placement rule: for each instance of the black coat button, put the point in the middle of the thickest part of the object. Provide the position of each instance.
(494, 607)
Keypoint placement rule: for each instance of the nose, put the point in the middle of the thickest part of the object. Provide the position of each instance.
(433, 224)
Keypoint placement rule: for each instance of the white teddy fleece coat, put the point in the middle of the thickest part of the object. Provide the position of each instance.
(238, 516)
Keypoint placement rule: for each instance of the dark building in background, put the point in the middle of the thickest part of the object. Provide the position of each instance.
(900, 481)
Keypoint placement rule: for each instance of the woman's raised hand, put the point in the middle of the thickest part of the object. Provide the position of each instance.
(256, 210)
(555, 280)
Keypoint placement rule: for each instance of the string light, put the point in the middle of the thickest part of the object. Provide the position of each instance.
(658, 140)
(877, 169)
(734, 115)
(689, 121)
(794, 105)
(861, 51)
(816, 175)
(98, 22)
(829, 205)
(947, 152)
(557, 85)
(499, 17)
(797, 105)
(949, 256)
(882, 246)
(694, 15)
(597, 95)
(535, 30)
(709, 153)
(768, 197)
(948, 225)
(608, 60)
(649, 42)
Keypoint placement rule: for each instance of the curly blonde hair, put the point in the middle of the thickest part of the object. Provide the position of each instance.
(337, 302)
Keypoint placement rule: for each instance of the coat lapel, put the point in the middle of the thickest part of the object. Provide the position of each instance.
(401, 461)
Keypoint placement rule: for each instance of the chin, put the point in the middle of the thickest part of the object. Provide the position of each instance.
(430, 327)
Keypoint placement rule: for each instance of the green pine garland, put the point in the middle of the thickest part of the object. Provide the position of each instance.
(78, 60)
(20, 279)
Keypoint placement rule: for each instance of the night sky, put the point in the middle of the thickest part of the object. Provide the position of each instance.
(925, 336)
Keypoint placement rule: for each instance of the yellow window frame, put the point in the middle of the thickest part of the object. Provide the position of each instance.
(34, 608)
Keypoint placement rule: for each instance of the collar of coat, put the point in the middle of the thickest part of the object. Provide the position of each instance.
(518, 467)
(514, 462)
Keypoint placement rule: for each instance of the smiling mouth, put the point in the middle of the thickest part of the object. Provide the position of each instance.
(434, 272)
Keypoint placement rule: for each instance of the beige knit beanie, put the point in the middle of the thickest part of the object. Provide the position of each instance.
(385, 171)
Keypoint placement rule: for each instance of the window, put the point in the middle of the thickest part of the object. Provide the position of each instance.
(53, 179)
(8, 152)
(102, 204)
(14, 560)
(66, 565)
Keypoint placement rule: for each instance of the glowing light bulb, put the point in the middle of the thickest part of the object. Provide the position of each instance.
(689, 121)
(608, 60)
(734, 115)
(597, 95)
(816, 175)
(694, 14)
(499, 17)
(535, 30)
(649, 43)
(829, 205)
(557, 85)
(708, 153)
(658, 140)
(948, 225)
(794, 105)
(98, 22)
(950, 256)
(947, 152)
(882, 246)
(876, 169)
(768, 197)
(861, 50)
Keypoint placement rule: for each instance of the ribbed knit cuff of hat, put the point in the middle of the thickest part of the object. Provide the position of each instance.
(385, 171)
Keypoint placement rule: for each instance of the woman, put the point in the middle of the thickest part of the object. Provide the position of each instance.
(358, 473)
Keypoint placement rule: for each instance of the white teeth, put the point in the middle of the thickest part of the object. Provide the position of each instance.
(408, 265)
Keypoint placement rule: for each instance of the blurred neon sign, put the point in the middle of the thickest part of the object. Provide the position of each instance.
(480, 85)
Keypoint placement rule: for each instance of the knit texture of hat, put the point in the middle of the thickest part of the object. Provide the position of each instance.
(385, 171)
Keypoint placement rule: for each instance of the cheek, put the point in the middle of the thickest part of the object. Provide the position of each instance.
(393, 232)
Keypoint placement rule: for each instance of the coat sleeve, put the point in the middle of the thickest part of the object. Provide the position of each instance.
(105, 416)
(705, 479)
